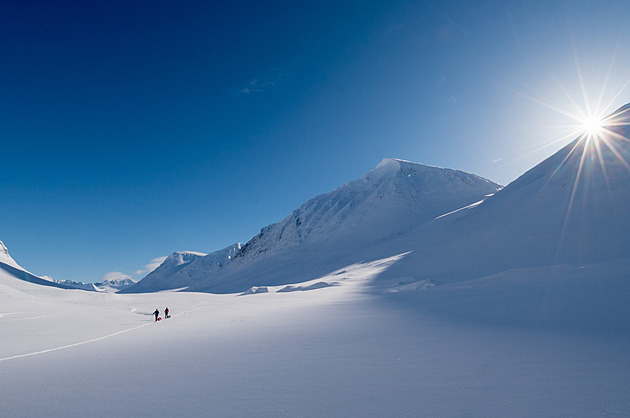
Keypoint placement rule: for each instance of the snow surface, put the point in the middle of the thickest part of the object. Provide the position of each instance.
(490, 348)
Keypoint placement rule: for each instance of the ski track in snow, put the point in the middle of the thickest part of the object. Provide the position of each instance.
(22, 319)
(93, 340)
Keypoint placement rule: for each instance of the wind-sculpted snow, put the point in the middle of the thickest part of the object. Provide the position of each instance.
(314, 286)
(255, 290)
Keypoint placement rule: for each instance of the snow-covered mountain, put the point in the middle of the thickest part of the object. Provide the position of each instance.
(184, 268)
(391, 199)
(571, 209)
(9, 265)
(163, 276)
(111, 285)
(74, 285)
(530, 282)
(330, 230)
(6, 258)
(453, 226)
(114, 285)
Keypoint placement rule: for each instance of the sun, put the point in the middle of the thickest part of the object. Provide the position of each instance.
(593, 126)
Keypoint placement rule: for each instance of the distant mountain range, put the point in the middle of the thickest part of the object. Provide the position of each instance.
(9, 265)
(112, 285)
(330, 229)
(571, 209)
(183, 269)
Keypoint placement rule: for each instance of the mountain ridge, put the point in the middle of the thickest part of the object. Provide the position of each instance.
(171, 273)
(391, 199)
(570, 209)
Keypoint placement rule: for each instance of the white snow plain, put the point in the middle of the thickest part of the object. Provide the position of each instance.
(531, 342)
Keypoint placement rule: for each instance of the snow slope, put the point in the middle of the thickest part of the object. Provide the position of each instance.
(184, 268)
(340, 350)
(331, 229)
(390, 199)
(571, 209)
(11, 267)
(6, 258)
(160, 278)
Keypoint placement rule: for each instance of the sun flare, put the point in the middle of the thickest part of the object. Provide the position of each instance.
(593, 125)
(600, 139)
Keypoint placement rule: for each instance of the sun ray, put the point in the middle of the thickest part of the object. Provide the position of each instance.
(566, 158)
(602, 163)
(548, 144)
(578, 176)
(615, 151)
(547, 105)
(605, 84)
(591, 163)
(587, 103)
(616, 96)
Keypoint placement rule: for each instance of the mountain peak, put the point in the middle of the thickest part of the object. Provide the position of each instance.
(180, 269)
(3, 249)
(6, 258)
(390, 200)
(183, 257)
(392, 162)
(622, 109)
(393, 166)
(189, 252)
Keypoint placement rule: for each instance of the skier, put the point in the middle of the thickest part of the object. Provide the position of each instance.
(166, 313)
(156, 313)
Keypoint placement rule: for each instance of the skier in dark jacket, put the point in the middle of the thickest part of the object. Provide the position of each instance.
(156, 313)
(166, 313)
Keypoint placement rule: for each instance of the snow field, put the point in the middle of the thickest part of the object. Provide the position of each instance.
(347, 350)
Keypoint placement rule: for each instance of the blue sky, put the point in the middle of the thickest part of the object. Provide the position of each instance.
(130, 130)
